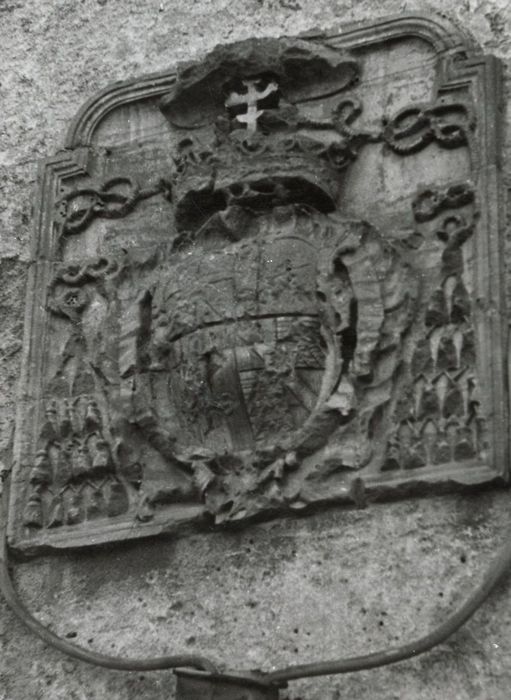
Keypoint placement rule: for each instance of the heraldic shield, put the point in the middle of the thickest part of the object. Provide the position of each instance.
(267, 281)
(259, 350)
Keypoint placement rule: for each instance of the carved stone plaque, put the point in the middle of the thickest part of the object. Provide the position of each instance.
(267, 281)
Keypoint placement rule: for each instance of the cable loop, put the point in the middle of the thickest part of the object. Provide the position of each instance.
(494, 575)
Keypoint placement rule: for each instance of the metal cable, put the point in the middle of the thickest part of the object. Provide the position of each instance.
(494, 575)
(496, 572)
(78, 652)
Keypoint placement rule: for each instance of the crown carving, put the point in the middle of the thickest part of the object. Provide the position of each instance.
(257, 148)
(256, 170)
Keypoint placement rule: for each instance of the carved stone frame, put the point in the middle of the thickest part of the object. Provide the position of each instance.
(461, 65)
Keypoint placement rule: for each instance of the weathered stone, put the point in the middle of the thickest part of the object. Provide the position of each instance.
(266, 321)
(62, 53)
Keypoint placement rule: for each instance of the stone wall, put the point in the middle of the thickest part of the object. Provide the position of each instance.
(345, 581)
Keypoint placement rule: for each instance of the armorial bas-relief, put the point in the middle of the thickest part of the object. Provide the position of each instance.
(267, 282)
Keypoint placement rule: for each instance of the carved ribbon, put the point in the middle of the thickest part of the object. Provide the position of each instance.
(430, 202)
(415, 127)
(411, 129)
(76, 274)
(115, 199)
(344, 114)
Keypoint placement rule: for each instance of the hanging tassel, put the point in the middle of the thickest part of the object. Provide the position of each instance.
(118, 502)
(74, 512)
(56, 513)
(33, 514)
(93, 420)
(96, 507)
(41, 473)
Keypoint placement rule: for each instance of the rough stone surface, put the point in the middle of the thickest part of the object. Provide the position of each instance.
(284, 592)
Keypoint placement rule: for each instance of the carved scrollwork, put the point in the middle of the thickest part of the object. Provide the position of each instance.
(74, 275)
(446, 123)
(71, 288)
(432, 201)
(114, 199)
(344, 114)
(69, 303)
(413, 128)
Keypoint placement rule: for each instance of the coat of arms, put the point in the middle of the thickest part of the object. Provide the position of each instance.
(266, 282)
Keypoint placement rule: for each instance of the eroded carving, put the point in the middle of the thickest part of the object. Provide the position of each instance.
(432, 201)
(272, 352)
(114, 199)
(438, 421)
(415, 127)
(268, 345)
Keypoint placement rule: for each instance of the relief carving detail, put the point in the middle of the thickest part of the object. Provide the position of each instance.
(277, 348)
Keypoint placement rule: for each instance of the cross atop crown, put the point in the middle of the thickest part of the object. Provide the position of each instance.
(248, 101)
